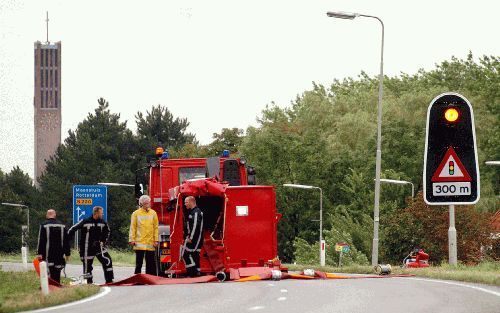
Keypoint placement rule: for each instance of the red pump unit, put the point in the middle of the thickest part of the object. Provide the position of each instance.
(416, 258)
(240, 225)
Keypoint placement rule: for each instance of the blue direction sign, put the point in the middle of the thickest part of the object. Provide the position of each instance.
(85, 198)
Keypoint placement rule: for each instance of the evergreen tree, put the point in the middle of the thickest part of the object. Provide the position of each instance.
(101, 149)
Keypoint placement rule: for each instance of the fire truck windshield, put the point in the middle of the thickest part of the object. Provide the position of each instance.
(186, 173)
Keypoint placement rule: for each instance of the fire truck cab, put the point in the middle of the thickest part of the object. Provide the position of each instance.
(240, 218)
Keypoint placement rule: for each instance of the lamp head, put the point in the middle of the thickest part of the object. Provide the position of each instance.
(343, 15)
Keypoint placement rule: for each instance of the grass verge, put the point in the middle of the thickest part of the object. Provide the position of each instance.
(483, 273)
(19, 291)
(119, 257)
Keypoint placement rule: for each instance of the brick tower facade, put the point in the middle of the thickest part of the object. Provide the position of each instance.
(47, 103)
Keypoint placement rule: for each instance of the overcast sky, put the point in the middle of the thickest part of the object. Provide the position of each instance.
(217, 63)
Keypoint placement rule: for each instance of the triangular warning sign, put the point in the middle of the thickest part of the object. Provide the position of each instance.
(451, 169)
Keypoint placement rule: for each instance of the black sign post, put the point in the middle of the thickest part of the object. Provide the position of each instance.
(451, 172)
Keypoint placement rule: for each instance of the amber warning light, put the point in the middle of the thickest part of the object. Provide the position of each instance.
(451, 115)
(159, 151)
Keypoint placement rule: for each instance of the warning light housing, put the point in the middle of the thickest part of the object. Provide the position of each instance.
(451, 115)
(451, 171)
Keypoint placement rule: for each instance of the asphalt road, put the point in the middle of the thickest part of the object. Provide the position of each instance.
(356, 295)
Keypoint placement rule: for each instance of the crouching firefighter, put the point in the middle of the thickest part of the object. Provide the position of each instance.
(193, 237)
(53, 245)
(94, 236)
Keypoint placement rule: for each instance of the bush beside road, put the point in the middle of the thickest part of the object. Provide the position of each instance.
(20, 291)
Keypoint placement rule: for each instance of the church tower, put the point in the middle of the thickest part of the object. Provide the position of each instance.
(47, 102)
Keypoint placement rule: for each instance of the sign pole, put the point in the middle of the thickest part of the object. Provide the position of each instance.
(322, 253)
(452, 238)
(340, 258)
(77, 235)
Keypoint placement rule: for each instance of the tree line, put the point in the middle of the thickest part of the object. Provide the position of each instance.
(325, 137)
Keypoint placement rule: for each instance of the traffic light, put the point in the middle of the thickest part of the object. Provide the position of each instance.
(451, 172)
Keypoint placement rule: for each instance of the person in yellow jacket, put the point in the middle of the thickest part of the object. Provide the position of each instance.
(143, 236)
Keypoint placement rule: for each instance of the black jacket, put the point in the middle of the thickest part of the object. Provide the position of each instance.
(194, 227)
(93, 233)
(53, 242)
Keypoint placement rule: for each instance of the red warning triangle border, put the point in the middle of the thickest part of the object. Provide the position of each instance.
(451, 152)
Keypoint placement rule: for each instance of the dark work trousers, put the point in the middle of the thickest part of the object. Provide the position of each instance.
(192, 261)
(55, 272)
(107, 266)
(150, 262)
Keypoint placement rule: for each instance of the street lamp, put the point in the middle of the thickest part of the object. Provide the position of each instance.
(136, 186)
(350, 16)
(321, 243)
(116, 184)
(21, 206)
(24, 232)
(400, 182)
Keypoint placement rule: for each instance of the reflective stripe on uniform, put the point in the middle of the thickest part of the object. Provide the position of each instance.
(143, 245)
(140, 218)
(38, 244)
(86, 251)
(201, 232)
(194, 225)
(62, 237)
(192, 250)
(47, 244)
(107, 259)
(192, 262)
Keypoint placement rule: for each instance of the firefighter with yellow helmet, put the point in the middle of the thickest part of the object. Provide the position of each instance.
(143, 236)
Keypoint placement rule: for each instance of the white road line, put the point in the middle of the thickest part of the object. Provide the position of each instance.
(105, 291)
(284, 290)
(459, 284)
(270, 285)
(255, 308)
(281, 299)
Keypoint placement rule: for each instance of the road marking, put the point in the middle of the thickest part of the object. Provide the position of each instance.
(270, 285)
(105, 291)
(284, 290)
(459, 284)
(281, 299)
(255, 308)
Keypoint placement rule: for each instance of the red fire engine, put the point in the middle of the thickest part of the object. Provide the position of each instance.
(240, 218)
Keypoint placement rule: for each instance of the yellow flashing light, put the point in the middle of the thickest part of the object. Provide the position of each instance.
(451, 115)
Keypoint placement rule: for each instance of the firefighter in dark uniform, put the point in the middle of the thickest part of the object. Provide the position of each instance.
(193, 237)
(53, 245)
(93, 240)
